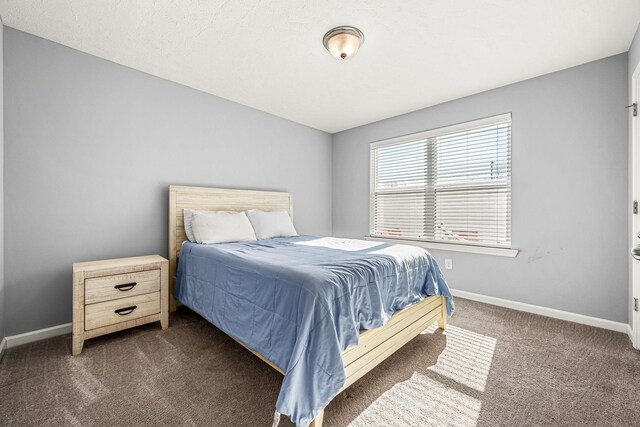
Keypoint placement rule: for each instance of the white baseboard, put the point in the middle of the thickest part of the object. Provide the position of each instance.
(38, 335)
(544, 311)
(3, 345)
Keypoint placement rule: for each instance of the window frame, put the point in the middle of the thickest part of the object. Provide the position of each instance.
(499, 250)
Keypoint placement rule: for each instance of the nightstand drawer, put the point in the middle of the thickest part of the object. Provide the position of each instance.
(121, 286)
(120, 310)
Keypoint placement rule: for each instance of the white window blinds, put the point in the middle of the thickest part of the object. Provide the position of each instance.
(450, 185)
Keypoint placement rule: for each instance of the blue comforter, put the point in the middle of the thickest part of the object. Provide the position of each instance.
(301, 301)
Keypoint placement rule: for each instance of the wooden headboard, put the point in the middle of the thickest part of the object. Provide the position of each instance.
(214, 199)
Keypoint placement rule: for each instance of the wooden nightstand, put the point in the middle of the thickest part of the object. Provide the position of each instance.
(116, 294)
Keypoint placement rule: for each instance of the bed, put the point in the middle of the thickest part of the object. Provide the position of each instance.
(320, 311)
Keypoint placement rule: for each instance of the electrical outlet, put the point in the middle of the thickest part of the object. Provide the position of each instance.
(448, 264)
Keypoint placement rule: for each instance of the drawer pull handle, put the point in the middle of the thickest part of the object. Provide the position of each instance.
(125, 286)
(126, 310)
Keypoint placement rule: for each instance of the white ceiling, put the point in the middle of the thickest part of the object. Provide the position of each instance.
(268, 54)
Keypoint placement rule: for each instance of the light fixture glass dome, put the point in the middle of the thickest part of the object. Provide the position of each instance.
(343, 42)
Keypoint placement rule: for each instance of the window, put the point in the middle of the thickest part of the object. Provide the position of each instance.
(449, 185)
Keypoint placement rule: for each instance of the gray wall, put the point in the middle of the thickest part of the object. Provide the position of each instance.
(91, 148)
(569, 188)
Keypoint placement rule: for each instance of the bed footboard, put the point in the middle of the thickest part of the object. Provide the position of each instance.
(378, 344)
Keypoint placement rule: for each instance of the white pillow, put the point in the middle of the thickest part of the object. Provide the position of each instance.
(221, 227)
(271, 224)
(188, 218)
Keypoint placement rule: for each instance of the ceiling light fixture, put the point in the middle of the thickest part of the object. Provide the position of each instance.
(343, 42)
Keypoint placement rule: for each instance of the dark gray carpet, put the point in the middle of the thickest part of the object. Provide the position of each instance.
(492, 367)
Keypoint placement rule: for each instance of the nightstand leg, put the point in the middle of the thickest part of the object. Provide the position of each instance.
(164, 320)
(165, 296)
(78, 343)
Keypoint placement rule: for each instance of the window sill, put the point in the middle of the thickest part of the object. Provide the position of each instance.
(511, 253)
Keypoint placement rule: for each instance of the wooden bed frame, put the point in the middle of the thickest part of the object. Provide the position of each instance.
(375, 345)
